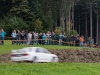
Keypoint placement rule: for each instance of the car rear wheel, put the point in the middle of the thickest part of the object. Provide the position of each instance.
(35, 60)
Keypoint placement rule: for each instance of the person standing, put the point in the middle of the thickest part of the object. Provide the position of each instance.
(13, 35)
(60, 38)
(64, 38)
(35, 38)
(23, 36)
(48, 37)
(81, 39)
(77, 40)
(40, 38)
(71, 39)
(52, 38)
(91, 42)
(44, 39)
(18, 37)
(29, 38)
(3, 33)
(0, 36)
(26, 35)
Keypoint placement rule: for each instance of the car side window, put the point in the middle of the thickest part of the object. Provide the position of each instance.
(38, 50)
(41, 50)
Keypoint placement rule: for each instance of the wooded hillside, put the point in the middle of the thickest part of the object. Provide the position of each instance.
(82, 16)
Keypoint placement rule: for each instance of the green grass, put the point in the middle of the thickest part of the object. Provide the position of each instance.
(7, 47)
(46, 68)
(50, 69)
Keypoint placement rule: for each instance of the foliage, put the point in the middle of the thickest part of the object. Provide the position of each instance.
(38, 25)
(9, 23)
(47, 23)
(22, 9)
(5, 6)
(52, 14)
(58, 30)
(40, 10)
(73, 32)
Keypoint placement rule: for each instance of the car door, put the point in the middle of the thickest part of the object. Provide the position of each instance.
(39, 54)
(46, 55)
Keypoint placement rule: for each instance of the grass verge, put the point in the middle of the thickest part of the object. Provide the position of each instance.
(50, 69)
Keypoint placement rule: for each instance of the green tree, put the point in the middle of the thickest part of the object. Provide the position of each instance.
(21, 9)
(5, 6)
(9, 23)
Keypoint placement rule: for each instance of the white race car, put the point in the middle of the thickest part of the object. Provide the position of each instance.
(34, 54)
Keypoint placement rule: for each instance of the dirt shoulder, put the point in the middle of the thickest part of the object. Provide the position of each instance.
(77, 55)
(85, 56)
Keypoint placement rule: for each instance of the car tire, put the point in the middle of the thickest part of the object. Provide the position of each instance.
(53, 59)
(35, 60)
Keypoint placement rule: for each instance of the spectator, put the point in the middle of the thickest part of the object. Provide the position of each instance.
(64, 38)
(32, 37)
(48, 37)
(40, 38)
(18, 37)
(60, 38)
(35, 38)
(26, 34)
(72, 38)
(3, 33)
(52, 38)
(88, 41)
(96, 44)
(0, 36)
(44, 38)
(91, 42)
(29, 38)
(81, 39)
(13, 35)
(77, 40)
(23, 36)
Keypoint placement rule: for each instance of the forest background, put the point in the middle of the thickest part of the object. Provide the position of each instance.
(71, 16)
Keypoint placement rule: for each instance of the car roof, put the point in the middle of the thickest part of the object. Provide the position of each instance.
(32, 47)
(25, 49)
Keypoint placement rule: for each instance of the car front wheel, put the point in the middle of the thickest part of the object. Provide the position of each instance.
(53, 59)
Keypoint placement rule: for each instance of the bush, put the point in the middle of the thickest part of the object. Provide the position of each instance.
(73, 32)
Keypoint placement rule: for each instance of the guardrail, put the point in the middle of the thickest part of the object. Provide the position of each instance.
(56, 42)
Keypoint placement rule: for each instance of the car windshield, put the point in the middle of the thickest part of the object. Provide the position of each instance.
(42, 50)
(45, 51)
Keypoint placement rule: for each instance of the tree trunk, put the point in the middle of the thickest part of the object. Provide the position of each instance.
(99, 36)
(79, 26)
(97, 28)
(55, 23)
(73, 14)
(91, 20)
(69, 23)
(86, 33)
